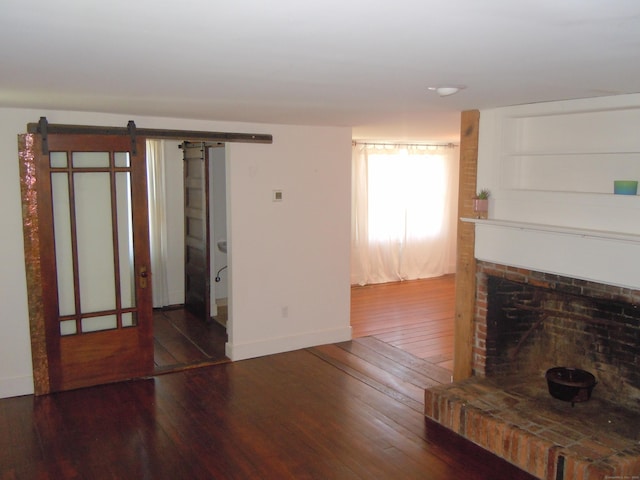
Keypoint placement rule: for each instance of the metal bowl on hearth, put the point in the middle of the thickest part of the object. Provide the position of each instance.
(570, 384)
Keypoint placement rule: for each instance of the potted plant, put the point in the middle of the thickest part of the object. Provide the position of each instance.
(481, 203)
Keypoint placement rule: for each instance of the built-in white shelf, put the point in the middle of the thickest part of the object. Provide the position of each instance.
(577, 150)
(579, 232)
(551, 169)
(572, 172)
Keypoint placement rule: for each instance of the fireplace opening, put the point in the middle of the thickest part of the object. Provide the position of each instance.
(533, 327)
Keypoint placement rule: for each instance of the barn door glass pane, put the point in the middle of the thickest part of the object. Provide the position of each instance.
(58, 159)
(94, 231)
(129, 319)
(125, 239)
(62, 235)
(94, 324)
(68, 327)
(90, 159)
(121, 159)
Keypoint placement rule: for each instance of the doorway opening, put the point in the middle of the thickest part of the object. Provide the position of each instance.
(403, 246)
(191, 313)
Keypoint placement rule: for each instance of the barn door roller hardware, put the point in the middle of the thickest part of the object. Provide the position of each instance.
(44, 128)
(131, 127)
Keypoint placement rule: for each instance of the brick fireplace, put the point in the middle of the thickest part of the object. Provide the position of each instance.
(526, 322)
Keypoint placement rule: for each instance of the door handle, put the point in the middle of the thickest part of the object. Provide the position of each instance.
(143, 277)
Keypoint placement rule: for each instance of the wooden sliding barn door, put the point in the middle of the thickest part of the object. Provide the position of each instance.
(87, 250)
(197, 254)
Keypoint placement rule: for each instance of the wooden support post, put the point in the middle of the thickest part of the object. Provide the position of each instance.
(465, 262)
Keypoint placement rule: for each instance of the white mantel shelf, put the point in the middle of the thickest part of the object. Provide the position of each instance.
(579, 232)
(607, 257)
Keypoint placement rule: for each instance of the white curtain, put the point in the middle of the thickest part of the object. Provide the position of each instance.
(404, 206)
(157, 221)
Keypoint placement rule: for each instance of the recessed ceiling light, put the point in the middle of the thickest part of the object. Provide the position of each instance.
(446, 90)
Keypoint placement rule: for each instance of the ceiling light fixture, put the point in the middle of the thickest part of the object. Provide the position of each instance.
(445, 91)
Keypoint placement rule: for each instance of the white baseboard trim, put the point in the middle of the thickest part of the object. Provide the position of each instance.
(242, 351)
(16, 386)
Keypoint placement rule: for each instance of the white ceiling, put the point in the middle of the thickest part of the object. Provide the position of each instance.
(360, 63)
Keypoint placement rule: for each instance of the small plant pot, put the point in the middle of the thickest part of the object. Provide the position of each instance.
(481, 207)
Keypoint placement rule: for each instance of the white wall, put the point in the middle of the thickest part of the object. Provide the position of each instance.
(289, 261)
(174, 179)
(297, 250)
(218, 218)
(550, 168)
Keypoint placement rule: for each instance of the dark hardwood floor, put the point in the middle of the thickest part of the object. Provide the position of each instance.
(345, 411)
(182, 340)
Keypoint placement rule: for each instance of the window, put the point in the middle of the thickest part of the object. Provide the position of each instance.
(405, 196)
(404, 202)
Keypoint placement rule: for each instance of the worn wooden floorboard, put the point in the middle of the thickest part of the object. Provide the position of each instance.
(320, 413)
(415, 315)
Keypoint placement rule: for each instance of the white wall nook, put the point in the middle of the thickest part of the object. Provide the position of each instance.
(551, 169)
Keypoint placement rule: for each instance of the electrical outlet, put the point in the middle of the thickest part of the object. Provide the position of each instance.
(277, 195)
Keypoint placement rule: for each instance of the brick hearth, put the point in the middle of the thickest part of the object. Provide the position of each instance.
(506, 407)
(517, 419)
